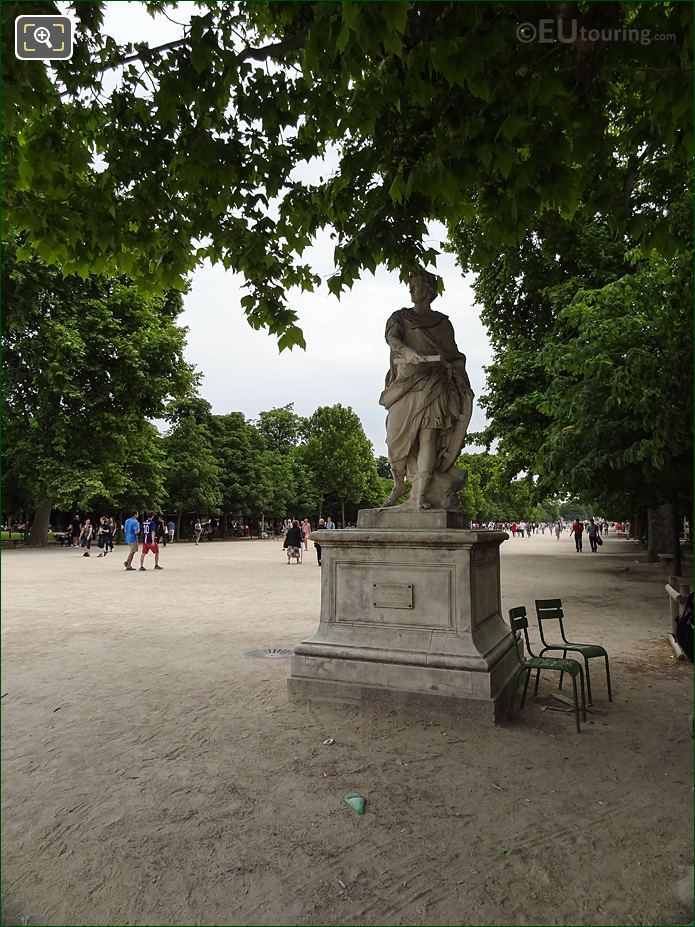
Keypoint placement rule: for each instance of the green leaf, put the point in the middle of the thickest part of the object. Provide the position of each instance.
(201, 56)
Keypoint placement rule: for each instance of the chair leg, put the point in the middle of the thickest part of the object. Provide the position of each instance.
(581, 682)
(588, 682)
(576, 704)
(538, 679)
(523, 696)
(562, 672)
(608, 680)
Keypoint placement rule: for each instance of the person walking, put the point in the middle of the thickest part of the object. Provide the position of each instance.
(577, 530)
(293, 542)
(149, 542)
(322, 525)
(86, 536)
(171, 528)
(112, 532)
(104, 535)
(594, 535)
(76, 529)
(558, 530)
(161, 533)
(306, 531)
(197, 531)
(330, 524)
(131, 530)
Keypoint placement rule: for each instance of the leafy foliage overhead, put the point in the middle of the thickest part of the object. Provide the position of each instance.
(422, 110)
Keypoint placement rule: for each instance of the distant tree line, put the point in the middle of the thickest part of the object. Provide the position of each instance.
(280, 464)
(91, 362)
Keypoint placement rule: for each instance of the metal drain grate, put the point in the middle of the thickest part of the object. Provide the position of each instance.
(269, 653)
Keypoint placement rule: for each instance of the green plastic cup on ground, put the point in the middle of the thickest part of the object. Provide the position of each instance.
(356, 802)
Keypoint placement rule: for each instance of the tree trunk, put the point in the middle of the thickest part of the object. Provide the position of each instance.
(178, 525)
(663, 532)
(677, 560)
(38, 536)
(638, 525)
(320, 509)
(225, 519)
(342, 512)
(651, 538)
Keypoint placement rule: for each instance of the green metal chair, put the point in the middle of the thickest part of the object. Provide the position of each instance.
(519, 622)
(551, 610)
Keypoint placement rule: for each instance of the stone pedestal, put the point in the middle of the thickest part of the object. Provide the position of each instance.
(410, 611)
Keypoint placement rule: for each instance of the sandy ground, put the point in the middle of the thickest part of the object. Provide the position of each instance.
(154, 774)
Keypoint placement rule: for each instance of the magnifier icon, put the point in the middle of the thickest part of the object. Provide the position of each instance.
(43, 35)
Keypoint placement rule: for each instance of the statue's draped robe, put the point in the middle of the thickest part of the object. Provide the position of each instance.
(434, 395)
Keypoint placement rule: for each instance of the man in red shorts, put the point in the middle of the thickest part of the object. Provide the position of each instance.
(149, 543)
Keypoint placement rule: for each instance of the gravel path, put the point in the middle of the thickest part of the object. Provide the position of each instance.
(154, 774)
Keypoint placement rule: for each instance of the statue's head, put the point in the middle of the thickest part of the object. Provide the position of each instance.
(423, 280)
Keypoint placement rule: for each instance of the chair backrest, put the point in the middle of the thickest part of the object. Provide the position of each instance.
(519, 622)
(549, 610)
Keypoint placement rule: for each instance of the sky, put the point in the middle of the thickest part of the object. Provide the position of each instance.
(346, 357)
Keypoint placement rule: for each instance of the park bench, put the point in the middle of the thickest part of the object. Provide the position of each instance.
(21, 536)
(677, 589)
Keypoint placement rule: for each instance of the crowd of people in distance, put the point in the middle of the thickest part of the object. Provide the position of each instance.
(595, 529)
(84, 533)
(295, 535)
(9, 525)
(153, 530)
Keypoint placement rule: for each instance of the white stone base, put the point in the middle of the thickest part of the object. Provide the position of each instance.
(409, 616)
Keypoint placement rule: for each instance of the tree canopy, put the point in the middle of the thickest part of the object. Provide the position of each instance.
(423, 111)
(86, 364)
(340, 457)
(560, 169)
(589, 391)
(193, 476)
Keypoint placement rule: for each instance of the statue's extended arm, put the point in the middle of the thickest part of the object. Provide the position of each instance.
(398, 347)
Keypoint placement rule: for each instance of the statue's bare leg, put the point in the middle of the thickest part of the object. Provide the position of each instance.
(426, 460)
(398, 473)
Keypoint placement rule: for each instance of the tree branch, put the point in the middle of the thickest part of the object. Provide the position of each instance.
(274, 50)
(146, 53)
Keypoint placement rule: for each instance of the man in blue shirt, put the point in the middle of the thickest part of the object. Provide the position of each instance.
(132, 529)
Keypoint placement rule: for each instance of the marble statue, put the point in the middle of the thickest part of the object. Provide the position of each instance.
(429, 400)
